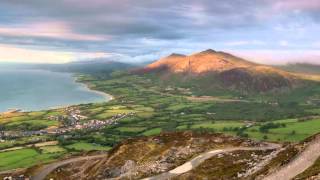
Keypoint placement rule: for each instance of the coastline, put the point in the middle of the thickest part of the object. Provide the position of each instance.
(87, 87)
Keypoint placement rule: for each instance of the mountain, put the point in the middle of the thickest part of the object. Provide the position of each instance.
(220, 70)
(302, 68)
(206, 61)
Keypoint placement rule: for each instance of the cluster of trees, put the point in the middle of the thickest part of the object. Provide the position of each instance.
(266, 127)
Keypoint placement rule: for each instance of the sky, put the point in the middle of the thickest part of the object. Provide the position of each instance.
(59, 31)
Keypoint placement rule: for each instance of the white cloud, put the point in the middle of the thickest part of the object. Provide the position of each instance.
(24, 55)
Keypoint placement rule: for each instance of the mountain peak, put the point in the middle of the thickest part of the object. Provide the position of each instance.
(208, 51)
(176, 55)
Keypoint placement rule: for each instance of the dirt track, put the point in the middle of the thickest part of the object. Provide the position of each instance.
(302, 162)
(193, 163)
(47, 169)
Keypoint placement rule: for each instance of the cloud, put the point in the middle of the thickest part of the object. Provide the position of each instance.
(141, 29)
(14, 54)
(54, 30)
(297, 5)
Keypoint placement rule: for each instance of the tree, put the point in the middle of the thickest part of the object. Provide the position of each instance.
(265, 137)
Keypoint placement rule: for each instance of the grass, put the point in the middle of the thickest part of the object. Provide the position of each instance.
(145, 114)
(31, 124)
(316, 111)
(37, 113)
(110, 113)
(131, 129)
(118, 107)
(151, 132)
(38, 122)
(306, 127)
(294, 130)
(83, 146)
(24, 158)
(96, 110)
(219, 126)
(52, 149)
(23, 141)
(14, 119)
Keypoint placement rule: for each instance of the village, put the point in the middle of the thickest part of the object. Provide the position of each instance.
(73, 120)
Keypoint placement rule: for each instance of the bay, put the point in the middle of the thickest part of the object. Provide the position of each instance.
(32, 90)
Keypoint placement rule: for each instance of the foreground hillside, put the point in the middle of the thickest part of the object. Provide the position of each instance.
(188, 155)
(219, 71)
(144, 157)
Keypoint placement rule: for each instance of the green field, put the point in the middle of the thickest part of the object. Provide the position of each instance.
(24, 140)
(29, 121)
(217, 125)
(52, 149)
(83, 146)
(293, 131)
(24, 158)
(131, 129)
(151, 132)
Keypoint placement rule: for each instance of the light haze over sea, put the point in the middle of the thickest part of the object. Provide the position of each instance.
(32, 90)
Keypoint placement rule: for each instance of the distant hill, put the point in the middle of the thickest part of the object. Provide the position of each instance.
(219, 70)
(90, 67)
(302, 68)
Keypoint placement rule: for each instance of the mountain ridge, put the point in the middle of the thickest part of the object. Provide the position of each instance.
(221, 70)
(198, 63)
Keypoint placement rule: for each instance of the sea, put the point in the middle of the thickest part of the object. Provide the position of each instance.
(33, 90)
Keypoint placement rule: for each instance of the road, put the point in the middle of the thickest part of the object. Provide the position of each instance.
(47, 169)
(193, 163)
(302, 162)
